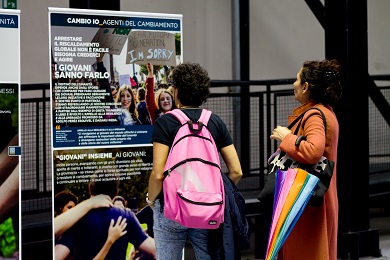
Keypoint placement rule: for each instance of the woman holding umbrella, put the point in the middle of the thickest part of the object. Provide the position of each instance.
(317, 85)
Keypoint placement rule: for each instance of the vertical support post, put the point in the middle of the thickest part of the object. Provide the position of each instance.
(44, 155)
(37, 144)
(236, 68)
(244, 74)
(346, 41)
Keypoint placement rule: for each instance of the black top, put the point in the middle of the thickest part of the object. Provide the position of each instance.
(143, 114)
(166, 127)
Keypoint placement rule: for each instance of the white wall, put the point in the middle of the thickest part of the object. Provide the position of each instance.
(34, 39)
(378, 37)
(206, 30)
(284, 33)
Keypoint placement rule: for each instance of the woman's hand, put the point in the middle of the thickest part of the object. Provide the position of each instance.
(279, 133)
(117, 230)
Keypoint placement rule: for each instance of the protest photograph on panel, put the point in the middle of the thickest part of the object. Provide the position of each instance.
(107, 73)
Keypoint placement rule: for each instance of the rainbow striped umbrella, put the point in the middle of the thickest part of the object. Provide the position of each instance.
(293, 190)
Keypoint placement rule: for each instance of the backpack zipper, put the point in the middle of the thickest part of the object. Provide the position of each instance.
(192, 160)
(191, 135)
(168, 172)
(200, 203)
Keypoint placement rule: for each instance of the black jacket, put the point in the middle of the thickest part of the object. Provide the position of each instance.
(235, 229)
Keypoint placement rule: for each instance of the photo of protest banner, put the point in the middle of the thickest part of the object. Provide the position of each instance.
(157, 48)
(97, 141)
(10, 242)
(112, 38)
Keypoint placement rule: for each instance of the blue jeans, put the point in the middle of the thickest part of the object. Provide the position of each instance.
(170, 237)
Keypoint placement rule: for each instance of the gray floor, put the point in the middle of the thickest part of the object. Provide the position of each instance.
(378, 221)
(383, 225)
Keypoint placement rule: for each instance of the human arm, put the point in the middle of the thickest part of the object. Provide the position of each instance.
(67, 219)
(308, 151)
(230, 157)
(131, 254)
(160, 155)
(61, 252)
(8, 163)
(149, 94)
(148, 247)
(138, 237)
(9, 194)
(114, 232)
(103, 82)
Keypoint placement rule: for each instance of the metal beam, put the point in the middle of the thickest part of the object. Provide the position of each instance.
(113, 5)
(379, 100)
(318, 10)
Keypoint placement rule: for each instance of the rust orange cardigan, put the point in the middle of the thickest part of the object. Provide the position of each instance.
(315, 234)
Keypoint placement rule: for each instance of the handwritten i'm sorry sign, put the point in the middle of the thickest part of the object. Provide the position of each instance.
(150, 46)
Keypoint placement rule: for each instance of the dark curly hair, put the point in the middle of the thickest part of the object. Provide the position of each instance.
(193, 83)
(61, 199)
(323, 78)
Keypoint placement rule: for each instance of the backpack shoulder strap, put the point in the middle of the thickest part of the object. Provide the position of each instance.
(183, 118)
(205, 116)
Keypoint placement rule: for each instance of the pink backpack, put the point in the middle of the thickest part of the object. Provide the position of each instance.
(193, 187)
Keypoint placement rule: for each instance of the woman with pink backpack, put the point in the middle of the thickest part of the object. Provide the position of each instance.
(191, 85)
